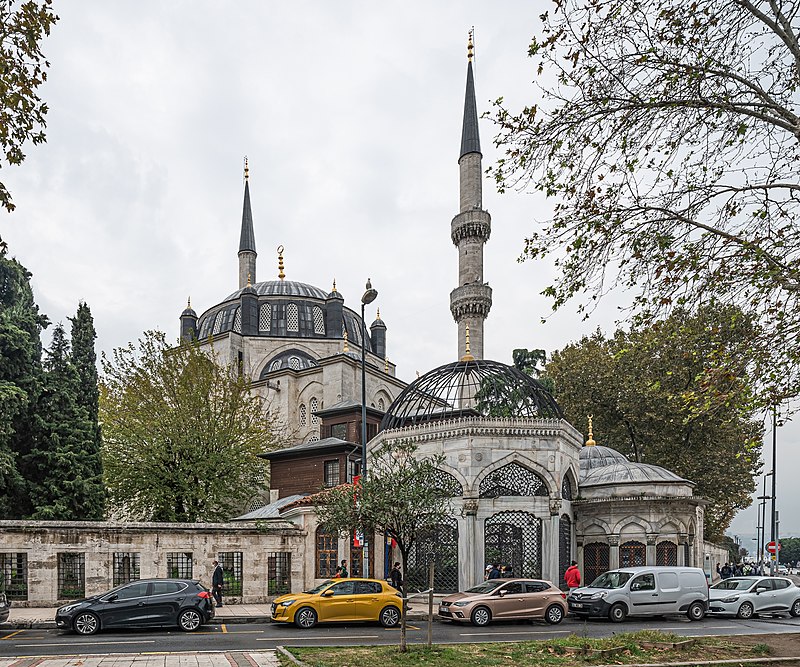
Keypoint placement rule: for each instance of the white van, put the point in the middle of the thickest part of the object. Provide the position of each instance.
(643, 591)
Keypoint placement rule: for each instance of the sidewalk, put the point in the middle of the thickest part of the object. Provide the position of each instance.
(220, 659)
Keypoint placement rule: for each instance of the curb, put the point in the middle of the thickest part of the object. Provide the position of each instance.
(287, 654)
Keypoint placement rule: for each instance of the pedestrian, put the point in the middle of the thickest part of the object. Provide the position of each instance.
(486, 572)
(494, 573)
(572, 576)
(344, 573)
(216, 583)
(726, 571)
(338, 574)
(719, 572)
(396, 577)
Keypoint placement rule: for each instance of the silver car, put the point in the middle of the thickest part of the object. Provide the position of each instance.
(745, 596)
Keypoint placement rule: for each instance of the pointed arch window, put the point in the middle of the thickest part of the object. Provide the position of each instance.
(292, 318)
(566, 488)
(512, 480)
(319, 321)
(302, 415)
(381, 404)
(265, 317)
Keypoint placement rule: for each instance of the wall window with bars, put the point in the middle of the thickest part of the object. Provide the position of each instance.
(292, 318)
(331, 473)
(302, 414)
(265, 317)
(232, 570)
(327, 553)
(179, 564)
(71, 576)
(313, 406)
(125, 567)
(14, 575)
(279, 571)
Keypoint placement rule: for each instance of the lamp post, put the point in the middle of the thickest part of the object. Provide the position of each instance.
(774, 518)
(762, 528)
(369, 296)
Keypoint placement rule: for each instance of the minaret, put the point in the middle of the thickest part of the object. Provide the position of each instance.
(247, 240)
(471, 301)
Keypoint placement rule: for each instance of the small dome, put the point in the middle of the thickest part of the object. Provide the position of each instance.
(629, 473)
(189, 312)
(476, 388)
(378, 324)
(599, 456)
(335, 294)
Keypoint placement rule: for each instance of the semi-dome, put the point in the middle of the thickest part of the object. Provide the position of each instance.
(598, 456)
(474, 388)
(629, 473)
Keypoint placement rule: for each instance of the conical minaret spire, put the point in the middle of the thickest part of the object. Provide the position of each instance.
(471, 301)
(247, 239)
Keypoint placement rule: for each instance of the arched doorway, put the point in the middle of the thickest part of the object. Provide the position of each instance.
(632, 554)
(439, 546)
(595, 561)
(514, 538)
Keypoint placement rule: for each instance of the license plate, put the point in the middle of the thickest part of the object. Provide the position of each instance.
(577, 605)
(444, 610)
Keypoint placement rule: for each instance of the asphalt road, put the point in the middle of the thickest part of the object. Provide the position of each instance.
(266, 636)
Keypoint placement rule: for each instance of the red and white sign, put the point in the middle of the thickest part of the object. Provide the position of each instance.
(771, 547)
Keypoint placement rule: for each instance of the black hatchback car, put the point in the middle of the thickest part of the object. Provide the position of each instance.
(145, 603)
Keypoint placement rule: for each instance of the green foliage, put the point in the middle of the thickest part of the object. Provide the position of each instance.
(497, 397)
(181, 433)
(675, 394)
(23, 26)
(790, 549)
(666, 134)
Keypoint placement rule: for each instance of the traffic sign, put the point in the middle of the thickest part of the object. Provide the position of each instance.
(771, 547)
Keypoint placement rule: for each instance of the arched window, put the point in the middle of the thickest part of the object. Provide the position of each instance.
(313, 405)
(327, 553)
(632, 554)
(596, 556)
(381, 405)
(265, 317)
(237, 321)
(447, 483)
(292, 318)
(512, 480)
(302, 414)
(566, 488)
(294, 363)
(276, 365)
(319, 321)
(666, 553)
(515, 539)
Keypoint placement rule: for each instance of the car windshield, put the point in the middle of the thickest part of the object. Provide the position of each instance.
(611, 580)
(322, 586)
(486, 586)
(733, 585)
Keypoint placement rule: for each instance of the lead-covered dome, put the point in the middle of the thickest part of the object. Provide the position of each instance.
(630, 473)
(598, 456)
(475, 388)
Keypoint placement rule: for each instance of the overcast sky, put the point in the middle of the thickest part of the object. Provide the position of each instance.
(350, 114)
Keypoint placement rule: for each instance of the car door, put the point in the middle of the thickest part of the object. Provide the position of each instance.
(670, 593)
(643, 594)
(338, 603)
(507, 600)
(763, 600)
(368, 600)
(165, 601)
(538, 595)
(124, 607)
(784, 593)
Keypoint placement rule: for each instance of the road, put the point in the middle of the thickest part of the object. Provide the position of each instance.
(254, 637)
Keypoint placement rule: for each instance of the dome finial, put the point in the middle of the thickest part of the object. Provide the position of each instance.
(281, 274)
(246, 169)
(470, 44)
(346, 349)
(467, 354)
(189, 303)
(334, 285)
(590, 442)
(249, 281)
(378, 316)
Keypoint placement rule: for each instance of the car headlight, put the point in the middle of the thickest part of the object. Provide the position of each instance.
(730, 598)
(287, 603)
(68, 608)
(460, 604)
(599, 596)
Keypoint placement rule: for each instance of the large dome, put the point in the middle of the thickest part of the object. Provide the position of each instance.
(476, 388)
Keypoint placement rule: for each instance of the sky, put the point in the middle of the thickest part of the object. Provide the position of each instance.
(350, 115)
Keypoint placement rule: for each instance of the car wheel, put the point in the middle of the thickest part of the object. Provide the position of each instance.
(481, 616)
(554, 614)
(189, 620)
(795, 609)
(389, 617)
(86, 623)
(617, 613)
(745, 610)
(305, 618)
(696, 611)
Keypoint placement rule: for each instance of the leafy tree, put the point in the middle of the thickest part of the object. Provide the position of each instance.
(400, 498)
(23, 26)
(675, 394)
(790, 549)
(181, 433)
(63, 469)
(500, 397)
(667, 134)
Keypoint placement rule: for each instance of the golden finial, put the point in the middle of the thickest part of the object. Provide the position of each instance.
(249, 282)
(470, 44)
(334, 285)
(590, 442)
(379, 314)
(386, 364)
(246, 169)
(467, 354)
(281, 274)
(189, 303)
(346, 348)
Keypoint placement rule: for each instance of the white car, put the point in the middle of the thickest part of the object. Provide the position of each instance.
(745, 596)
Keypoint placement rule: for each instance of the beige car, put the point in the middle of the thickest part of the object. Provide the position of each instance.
(505, 599)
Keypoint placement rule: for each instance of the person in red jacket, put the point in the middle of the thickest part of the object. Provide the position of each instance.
(572, 577)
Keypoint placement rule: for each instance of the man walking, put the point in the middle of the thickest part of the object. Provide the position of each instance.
(344, 574)
(216, 583)
(396, 577)
(572, 577)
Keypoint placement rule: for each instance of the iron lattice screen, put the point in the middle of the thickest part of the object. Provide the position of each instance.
(512, 480)
(447, 484)
(327, 554)
(564, 547)
(566, 488)
(232, 570)
(71, 576)
(686, 552)
(14, 573)
(125, 567)
(632, 554)
(279, 573)
(667, 553)
(515, 539)
(439, 546)
(596, 556)
(179, 564)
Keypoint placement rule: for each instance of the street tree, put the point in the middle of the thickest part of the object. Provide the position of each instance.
(667, 134)
(674, 394)
(402, 498)
(181, 433)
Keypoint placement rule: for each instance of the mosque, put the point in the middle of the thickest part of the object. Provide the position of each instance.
(527, 490)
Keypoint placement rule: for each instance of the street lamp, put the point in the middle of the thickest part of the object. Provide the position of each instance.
(369, 296)
(774, 518)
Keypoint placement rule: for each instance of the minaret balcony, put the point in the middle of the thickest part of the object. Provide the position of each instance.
(471, 300)
(473, 224)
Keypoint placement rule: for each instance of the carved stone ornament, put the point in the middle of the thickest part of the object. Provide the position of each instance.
(613, 540)
(470, 507)
(555, 506)
(651, 539)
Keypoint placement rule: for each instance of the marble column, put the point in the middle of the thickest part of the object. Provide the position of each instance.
(613, 552)
(650, 551)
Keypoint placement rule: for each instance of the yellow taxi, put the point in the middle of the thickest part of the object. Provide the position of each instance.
(340, 600)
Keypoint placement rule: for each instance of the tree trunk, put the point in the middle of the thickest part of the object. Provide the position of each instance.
(403, 644)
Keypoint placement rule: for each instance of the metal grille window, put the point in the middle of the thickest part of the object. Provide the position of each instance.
(179, 565)
(515, 539)
(327, 554)
(564, 547)
(217, 323)
(265, 317)
(279, 573)
(14, 573)
(237, 321)
(319, 321)
(71, 576)
(632, 554)
(666, 553)
(512, 480)
(313, 406)
(596, 558)
(447, 484)
(232, 569)
(439, 545)
(357, 561)
(302, 414)
(294, 363)
(292, 318)
(125, 566)
(566, 488)
(381, 405)
(331, 473)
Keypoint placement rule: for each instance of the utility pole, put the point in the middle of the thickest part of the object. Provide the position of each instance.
(774, 518)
